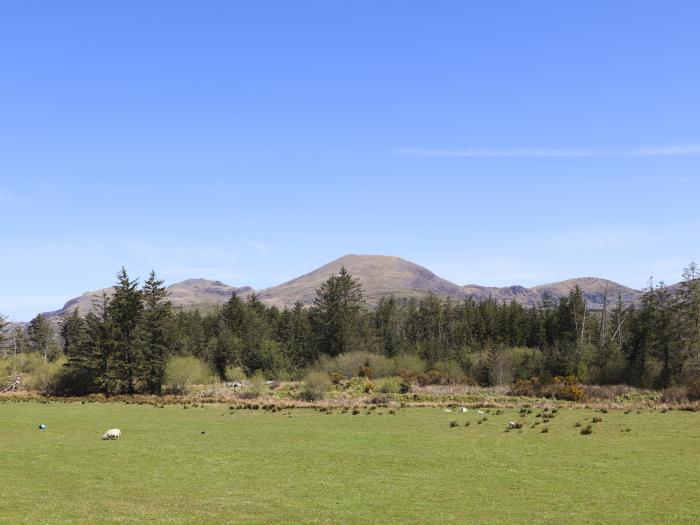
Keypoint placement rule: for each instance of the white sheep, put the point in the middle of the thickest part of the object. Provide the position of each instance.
(512, 424)
(112, 433)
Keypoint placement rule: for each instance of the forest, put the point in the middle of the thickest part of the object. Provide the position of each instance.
(124, 344)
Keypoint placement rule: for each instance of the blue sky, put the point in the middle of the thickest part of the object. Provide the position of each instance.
(493, 142)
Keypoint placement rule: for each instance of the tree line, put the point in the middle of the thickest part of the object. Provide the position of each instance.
(122, 345)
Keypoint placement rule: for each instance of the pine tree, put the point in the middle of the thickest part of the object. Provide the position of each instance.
(689, 319)
(72, 332)
(125, 313)
(88, 355)
(4, 330)
(41, 337)
(337, 313)
(157, 312)
(295, 335)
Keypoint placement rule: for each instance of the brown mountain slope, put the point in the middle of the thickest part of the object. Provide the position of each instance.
(594, 291)
(381, 276)
(188, 294)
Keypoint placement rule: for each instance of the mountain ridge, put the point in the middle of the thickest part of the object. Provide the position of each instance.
(381, 276)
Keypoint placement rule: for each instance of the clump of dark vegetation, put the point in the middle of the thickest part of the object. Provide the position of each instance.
(545, 430)
(453, 424)
(597, 420)
(587, 430)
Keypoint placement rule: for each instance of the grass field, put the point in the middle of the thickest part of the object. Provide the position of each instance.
(252, 466)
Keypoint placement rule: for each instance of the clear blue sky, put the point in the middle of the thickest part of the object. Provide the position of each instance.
(493, 142)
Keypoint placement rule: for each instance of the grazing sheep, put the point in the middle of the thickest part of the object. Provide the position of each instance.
(511, 424)
(463, 409)
(112, 433)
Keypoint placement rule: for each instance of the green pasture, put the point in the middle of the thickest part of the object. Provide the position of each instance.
(211, 464)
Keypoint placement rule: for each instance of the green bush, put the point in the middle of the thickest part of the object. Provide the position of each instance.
(316, 384)
(183, 372)
(347, 364)
(235, 373)
(381, 366)
(44, 377)
(394, 385)
(408, 364)
(257, 386)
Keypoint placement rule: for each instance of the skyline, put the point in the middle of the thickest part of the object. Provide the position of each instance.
(251, 144)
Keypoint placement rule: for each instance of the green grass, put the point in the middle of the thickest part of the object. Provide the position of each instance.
(258, 467)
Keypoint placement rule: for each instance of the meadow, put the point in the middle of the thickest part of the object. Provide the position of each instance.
(210, 463)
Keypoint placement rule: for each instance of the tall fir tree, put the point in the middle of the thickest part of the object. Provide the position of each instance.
(337, 312)
(72, 331)
(156, 320)
(125, 313)
(41, 337)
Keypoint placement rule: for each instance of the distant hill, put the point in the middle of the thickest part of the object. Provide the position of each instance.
(381, 276)
(188, 294)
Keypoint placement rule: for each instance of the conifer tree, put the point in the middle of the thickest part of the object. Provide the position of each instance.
(40, 335)
(87, 358)
(72, 333)
(125, 313)
(157, 311)
(336, 313)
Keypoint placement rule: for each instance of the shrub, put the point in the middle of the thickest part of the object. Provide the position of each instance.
(587, 430)
(694, 390)
(597, 420)
(381, 366)
(183, 372)
(565, 388)
(316, 385)
(46, 376)
(235, 373)
(524, 387)
(258, 385)
(395, 385)
(408, 365)
(674, 394)
(453, 424)
(348, 364)
(545, 430)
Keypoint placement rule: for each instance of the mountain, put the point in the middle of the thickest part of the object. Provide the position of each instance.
(189, 294)
(381, 276)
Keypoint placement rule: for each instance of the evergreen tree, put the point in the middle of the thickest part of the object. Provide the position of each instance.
(4, 330)
(125, 313)
(87, 360)
(689, 330)
(337, 313)
(72, 333)
(157, 312)
(41, 337)
(295, 335)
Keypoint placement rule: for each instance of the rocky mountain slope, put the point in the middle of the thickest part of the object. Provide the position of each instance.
(381, 276)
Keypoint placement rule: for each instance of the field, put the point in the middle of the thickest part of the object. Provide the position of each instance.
(210, 464)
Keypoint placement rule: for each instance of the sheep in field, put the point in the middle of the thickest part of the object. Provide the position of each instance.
(112, 433)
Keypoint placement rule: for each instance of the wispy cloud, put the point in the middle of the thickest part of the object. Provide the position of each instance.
(668, 150)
